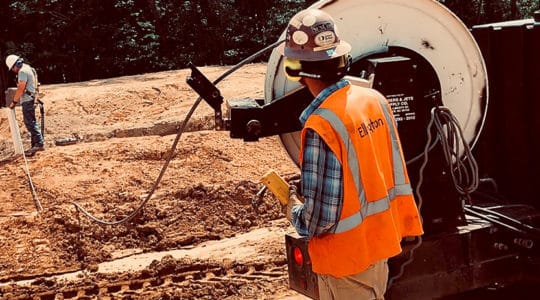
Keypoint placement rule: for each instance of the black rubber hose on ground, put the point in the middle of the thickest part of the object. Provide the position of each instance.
(175, 143)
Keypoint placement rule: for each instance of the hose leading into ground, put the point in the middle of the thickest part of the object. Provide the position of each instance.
(19, 144)
(247, 60)
(31, 184)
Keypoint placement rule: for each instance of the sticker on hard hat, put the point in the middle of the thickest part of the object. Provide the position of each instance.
(309, 20)
(324, 39)
(300, 37)
(322, 27)
(295, 23)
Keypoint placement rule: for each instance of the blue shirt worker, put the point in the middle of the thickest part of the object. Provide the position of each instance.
(26, 95)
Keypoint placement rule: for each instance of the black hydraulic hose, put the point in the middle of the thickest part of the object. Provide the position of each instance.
(533, 234)
(175, 143)
(493, 220)
(30, 182)
(524, 226)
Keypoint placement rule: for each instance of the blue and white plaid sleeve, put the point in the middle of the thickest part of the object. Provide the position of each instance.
(322, 188)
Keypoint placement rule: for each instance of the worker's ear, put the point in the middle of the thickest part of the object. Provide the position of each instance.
(19, 63)
(292, 68)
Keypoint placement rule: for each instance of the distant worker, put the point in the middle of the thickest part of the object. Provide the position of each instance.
(355, 202)
(26, 94)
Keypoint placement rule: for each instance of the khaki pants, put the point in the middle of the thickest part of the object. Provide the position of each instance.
(369, 284)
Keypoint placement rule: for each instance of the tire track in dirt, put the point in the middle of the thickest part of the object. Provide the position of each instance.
(204, 197)
(234, 267)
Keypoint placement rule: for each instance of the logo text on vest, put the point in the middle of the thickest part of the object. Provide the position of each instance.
(366, 129)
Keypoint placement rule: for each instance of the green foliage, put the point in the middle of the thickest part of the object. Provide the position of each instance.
(473, 12)
(75, 40)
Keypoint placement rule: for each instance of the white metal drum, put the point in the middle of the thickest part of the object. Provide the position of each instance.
(423, 26)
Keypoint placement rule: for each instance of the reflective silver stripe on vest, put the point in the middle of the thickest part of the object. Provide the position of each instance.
(397, 158)
(372, 207)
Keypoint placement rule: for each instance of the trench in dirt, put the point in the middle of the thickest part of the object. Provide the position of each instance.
(227, 268)
(199, 235)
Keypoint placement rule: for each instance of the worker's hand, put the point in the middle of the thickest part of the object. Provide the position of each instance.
(294, 180)
(293, 191)
(13, 104)
(294, 200)
(293, 177)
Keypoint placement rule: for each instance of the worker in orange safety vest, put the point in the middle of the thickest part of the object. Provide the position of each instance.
(355, 201)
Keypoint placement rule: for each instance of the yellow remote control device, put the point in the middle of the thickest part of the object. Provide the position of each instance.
(277, 185)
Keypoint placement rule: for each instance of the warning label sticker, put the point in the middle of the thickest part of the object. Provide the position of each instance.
(401, 106)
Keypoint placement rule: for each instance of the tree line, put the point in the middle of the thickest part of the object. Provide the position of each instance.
(78, 40)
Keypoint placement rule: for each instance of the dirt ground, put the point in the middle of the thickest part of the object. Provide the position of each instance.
(197, 237)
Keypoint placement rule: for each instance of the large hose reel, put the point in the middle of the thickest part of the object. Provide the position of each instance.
(442, 52)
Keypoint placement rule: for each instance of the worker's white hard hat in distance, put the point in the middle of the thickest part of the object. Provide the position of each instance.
(13, 59)
(313, 36)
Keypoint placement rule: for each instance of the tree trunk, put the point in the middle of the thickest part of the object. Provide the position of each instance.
(211, 36)
(160, 29)
(514, 13)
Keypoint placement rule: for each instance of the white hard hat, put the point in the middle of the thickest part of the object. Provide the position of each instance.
(11, 60)
(313, 36)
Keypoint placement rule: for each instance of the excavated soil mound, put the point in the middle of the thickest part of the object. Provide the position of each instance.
(197, 237)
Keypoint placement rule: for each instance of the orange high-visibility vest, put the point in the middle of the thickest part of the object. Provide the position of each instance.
(378, 204)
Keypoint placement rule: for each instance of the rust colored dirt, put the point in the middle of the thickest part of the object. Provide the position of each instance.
(199, 233)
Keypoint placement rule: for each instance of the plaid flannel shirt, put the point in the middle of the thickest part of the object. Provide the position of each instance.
(322, 178)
